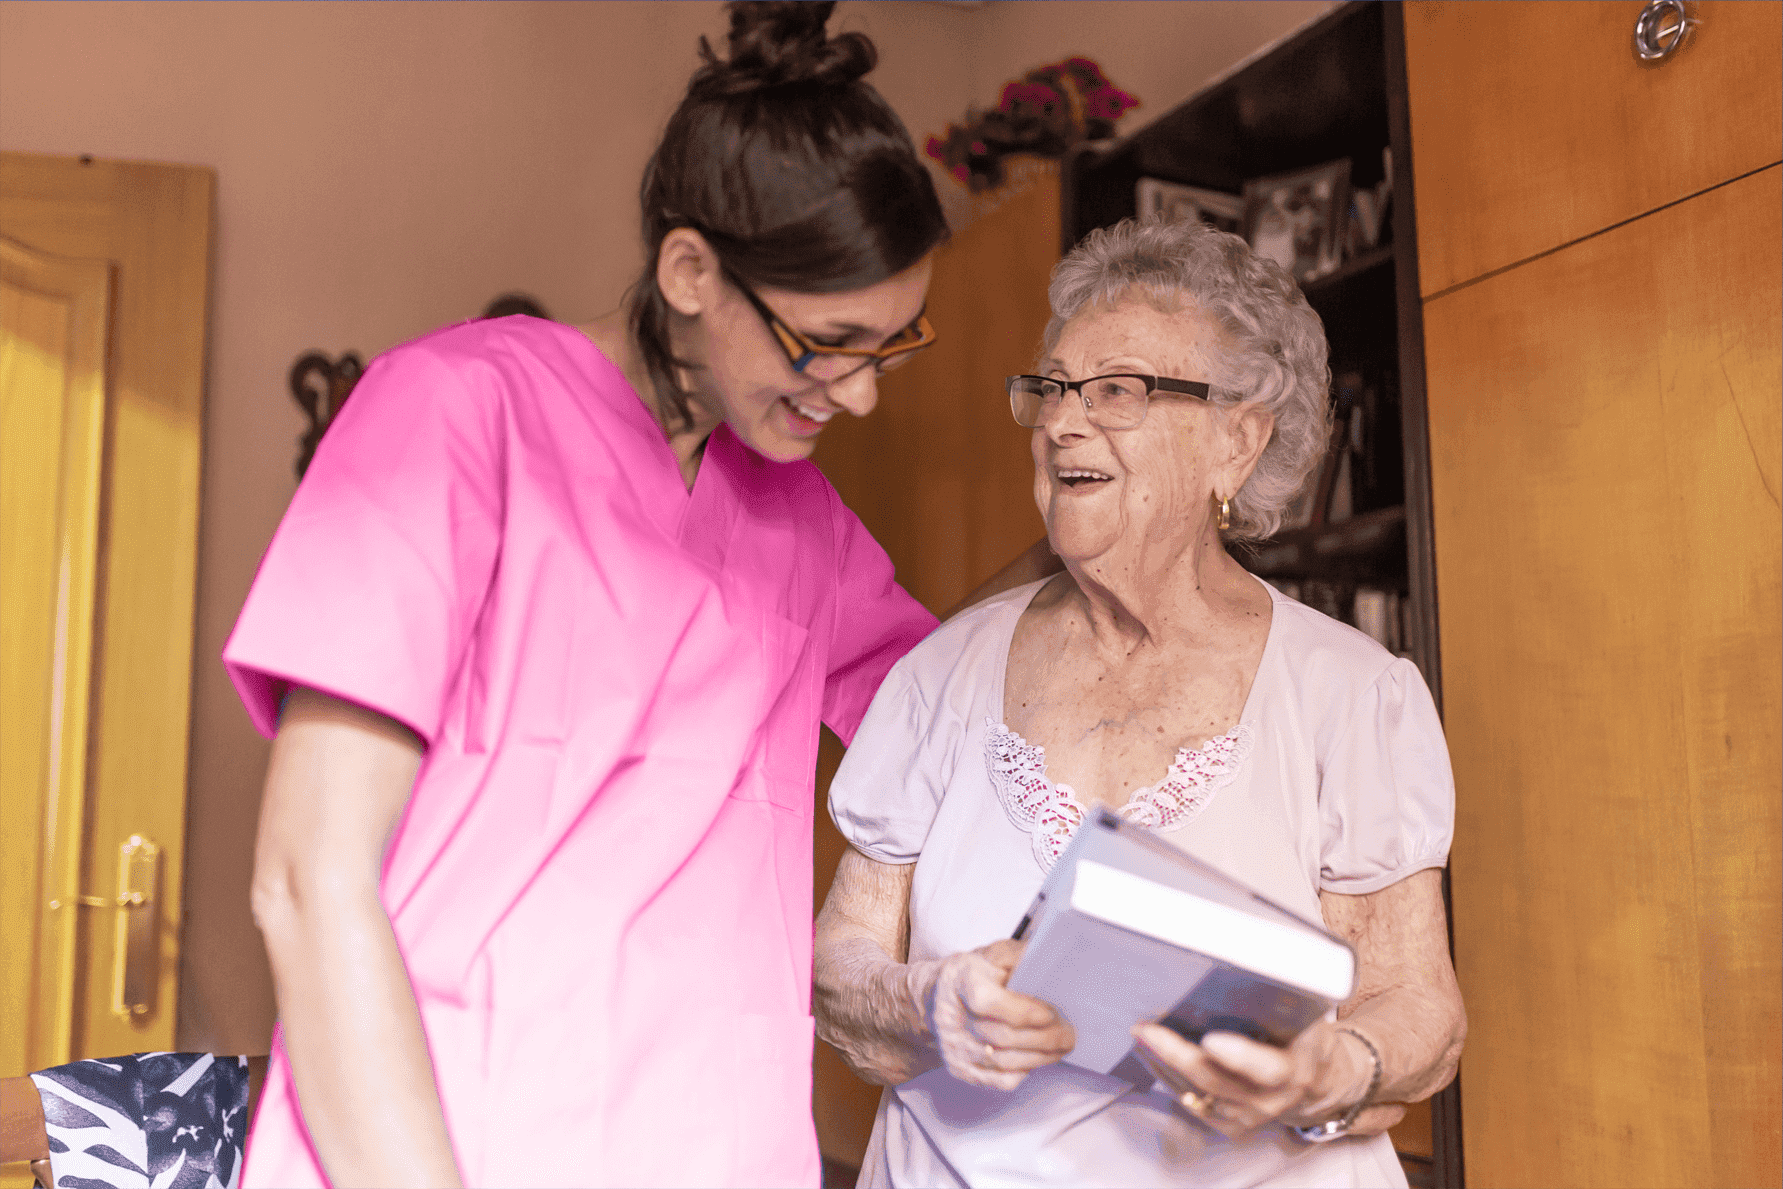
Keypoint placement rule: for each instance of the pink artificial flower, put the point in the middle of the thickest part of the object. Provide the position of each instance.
(1036, 94)
(1108, 103)
(1087, 68)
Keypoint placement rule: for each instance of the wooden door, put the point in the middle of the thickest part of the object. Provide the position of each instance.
(55, 321)
(1605, 440)
(1534, 124)
(103, 280)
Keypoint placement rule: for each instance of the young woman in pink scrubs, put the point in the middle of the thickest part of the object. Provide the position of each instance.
(545, 638)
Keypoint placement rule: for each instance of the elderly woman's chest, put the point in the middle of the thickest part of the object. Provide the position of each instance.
(1109, 729)
(1254, 815)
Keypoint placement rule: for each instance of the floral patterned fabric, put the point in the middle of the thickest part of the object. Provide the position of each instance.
(1051, 813)
(146, 1121)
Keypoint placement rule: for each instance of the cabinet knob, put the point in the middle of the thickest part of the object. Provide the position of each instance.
(1661, 30)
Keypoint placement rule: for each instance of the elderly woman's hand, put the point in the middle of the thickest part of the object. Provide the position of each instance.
(1235, 1085)
(985, 1033)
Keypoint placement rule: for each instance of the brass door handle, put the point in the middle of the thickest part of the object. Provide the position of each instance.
(136, 949)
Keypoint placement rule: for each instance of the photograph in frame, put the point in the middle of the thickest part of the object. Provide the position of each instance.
(1175, 201)
(1300, 219)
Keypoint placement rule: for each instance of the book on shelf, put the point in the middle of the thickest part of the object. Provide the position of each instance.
(1128, 928)
(1377, 612)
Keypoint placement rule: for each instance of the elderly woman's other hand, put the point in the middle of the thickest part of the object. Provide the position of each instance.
(1406, 1003)
(1235, 1084)
(985, 1033)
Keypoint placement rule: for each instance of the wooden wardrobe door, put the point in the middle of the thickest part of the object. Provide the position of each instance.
(1604, 430)
(1535, 124)
(940, 473)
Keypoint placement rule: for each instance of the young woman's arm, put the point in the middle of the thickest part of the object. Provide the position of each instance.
(339, 780)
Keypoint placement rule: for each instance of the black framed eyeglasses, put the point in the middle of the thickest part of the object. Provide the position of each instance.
(1116, 401)
(830, 364)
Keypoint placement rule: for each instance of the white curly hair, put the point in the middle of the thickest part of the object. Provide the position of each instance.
(1275, 354)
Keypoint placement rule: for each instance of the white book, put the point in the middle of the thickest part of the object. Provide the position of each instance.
(1127, 928)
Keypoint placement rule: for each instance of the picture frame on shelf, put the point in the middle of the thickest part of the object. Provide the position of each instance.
(1368, 209)
(1300, 219)
(1175, 201)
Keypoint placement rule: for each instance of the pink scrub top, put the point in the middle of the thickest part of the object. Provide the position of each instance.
(602, 883)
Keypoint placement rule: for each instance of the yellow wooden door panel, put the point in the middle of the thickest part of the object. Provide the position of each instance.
(1605, 439)
(1533, 124)
(54, 324)
(153, 223)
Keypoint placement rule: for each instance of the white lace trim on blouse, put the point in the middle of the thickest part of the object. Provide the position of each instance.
(1051, 813)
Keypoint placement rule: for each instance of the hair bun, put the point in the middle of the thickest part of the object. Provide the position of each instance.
(777, 42)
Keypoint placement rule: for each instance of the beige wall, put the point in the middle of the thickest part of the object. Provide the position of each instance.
(385, 168)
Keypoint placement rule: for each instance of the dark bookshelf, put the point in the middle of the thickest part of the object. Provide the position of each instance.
(1333, 89)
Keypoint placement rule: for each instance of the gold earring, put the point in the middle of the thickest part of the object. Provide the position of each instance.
(1225, 514)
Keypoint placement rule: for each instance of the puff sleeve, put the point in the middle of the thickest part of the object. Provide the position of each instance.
(372, 585)
(888, 790)
(1386, 793)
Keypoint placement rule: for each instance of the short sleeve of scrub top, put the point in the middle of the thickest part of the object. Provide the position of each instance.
(377, 572)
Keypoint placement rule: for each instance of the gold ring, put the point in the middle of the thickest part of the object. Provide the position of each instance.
(990, 1054)
(1205, 1105)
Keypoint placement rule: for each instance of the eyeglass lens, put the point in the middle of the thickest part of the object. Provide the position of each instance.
(1112, 402)
(831, 368)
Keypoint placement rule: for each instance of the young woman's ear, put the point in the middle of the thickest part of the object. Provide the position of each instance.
(687, 271)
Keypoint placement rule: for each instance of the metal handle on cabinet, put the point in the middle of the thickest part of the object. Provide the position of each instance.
(136, 944)
(1661, 30)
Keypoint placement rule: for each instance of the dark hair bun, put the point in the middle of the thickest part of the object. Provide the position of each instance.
(779, 42)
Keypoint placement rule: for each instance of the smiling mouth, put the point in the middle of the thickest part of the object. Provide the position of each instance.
(805, 417)
(1078, 477)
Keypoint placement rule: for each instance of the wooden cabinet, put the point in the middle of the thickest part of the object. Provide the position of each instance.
(1605, 437)
(1334, 89)
(1544, 128)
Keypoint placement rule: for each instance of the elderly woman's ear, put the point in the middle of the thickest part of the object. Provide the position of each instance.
(1247, 428)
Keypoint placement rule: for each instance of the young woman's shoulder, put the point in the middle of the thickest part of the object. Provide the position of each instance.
(513, 362)
(517, 340)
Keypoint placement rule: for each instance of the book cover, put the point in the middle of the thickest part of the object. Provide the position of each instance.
(1129, 928)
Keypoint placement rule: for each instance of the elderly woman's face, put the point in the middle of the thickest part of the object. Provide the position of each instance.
(1147, 487)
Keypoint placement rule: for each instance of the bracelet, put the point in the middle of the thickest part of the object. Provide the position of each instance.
(1339, 1127)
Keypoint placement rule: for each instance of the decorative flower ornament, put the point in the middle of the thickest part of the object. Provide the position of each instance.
(1044, 113)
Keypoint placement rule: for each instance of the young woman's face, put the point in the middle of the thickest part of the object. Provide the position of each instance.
(749, 382)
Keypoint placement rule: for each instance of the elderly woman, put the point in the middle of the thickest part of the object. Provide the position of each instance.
(1181, 402)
